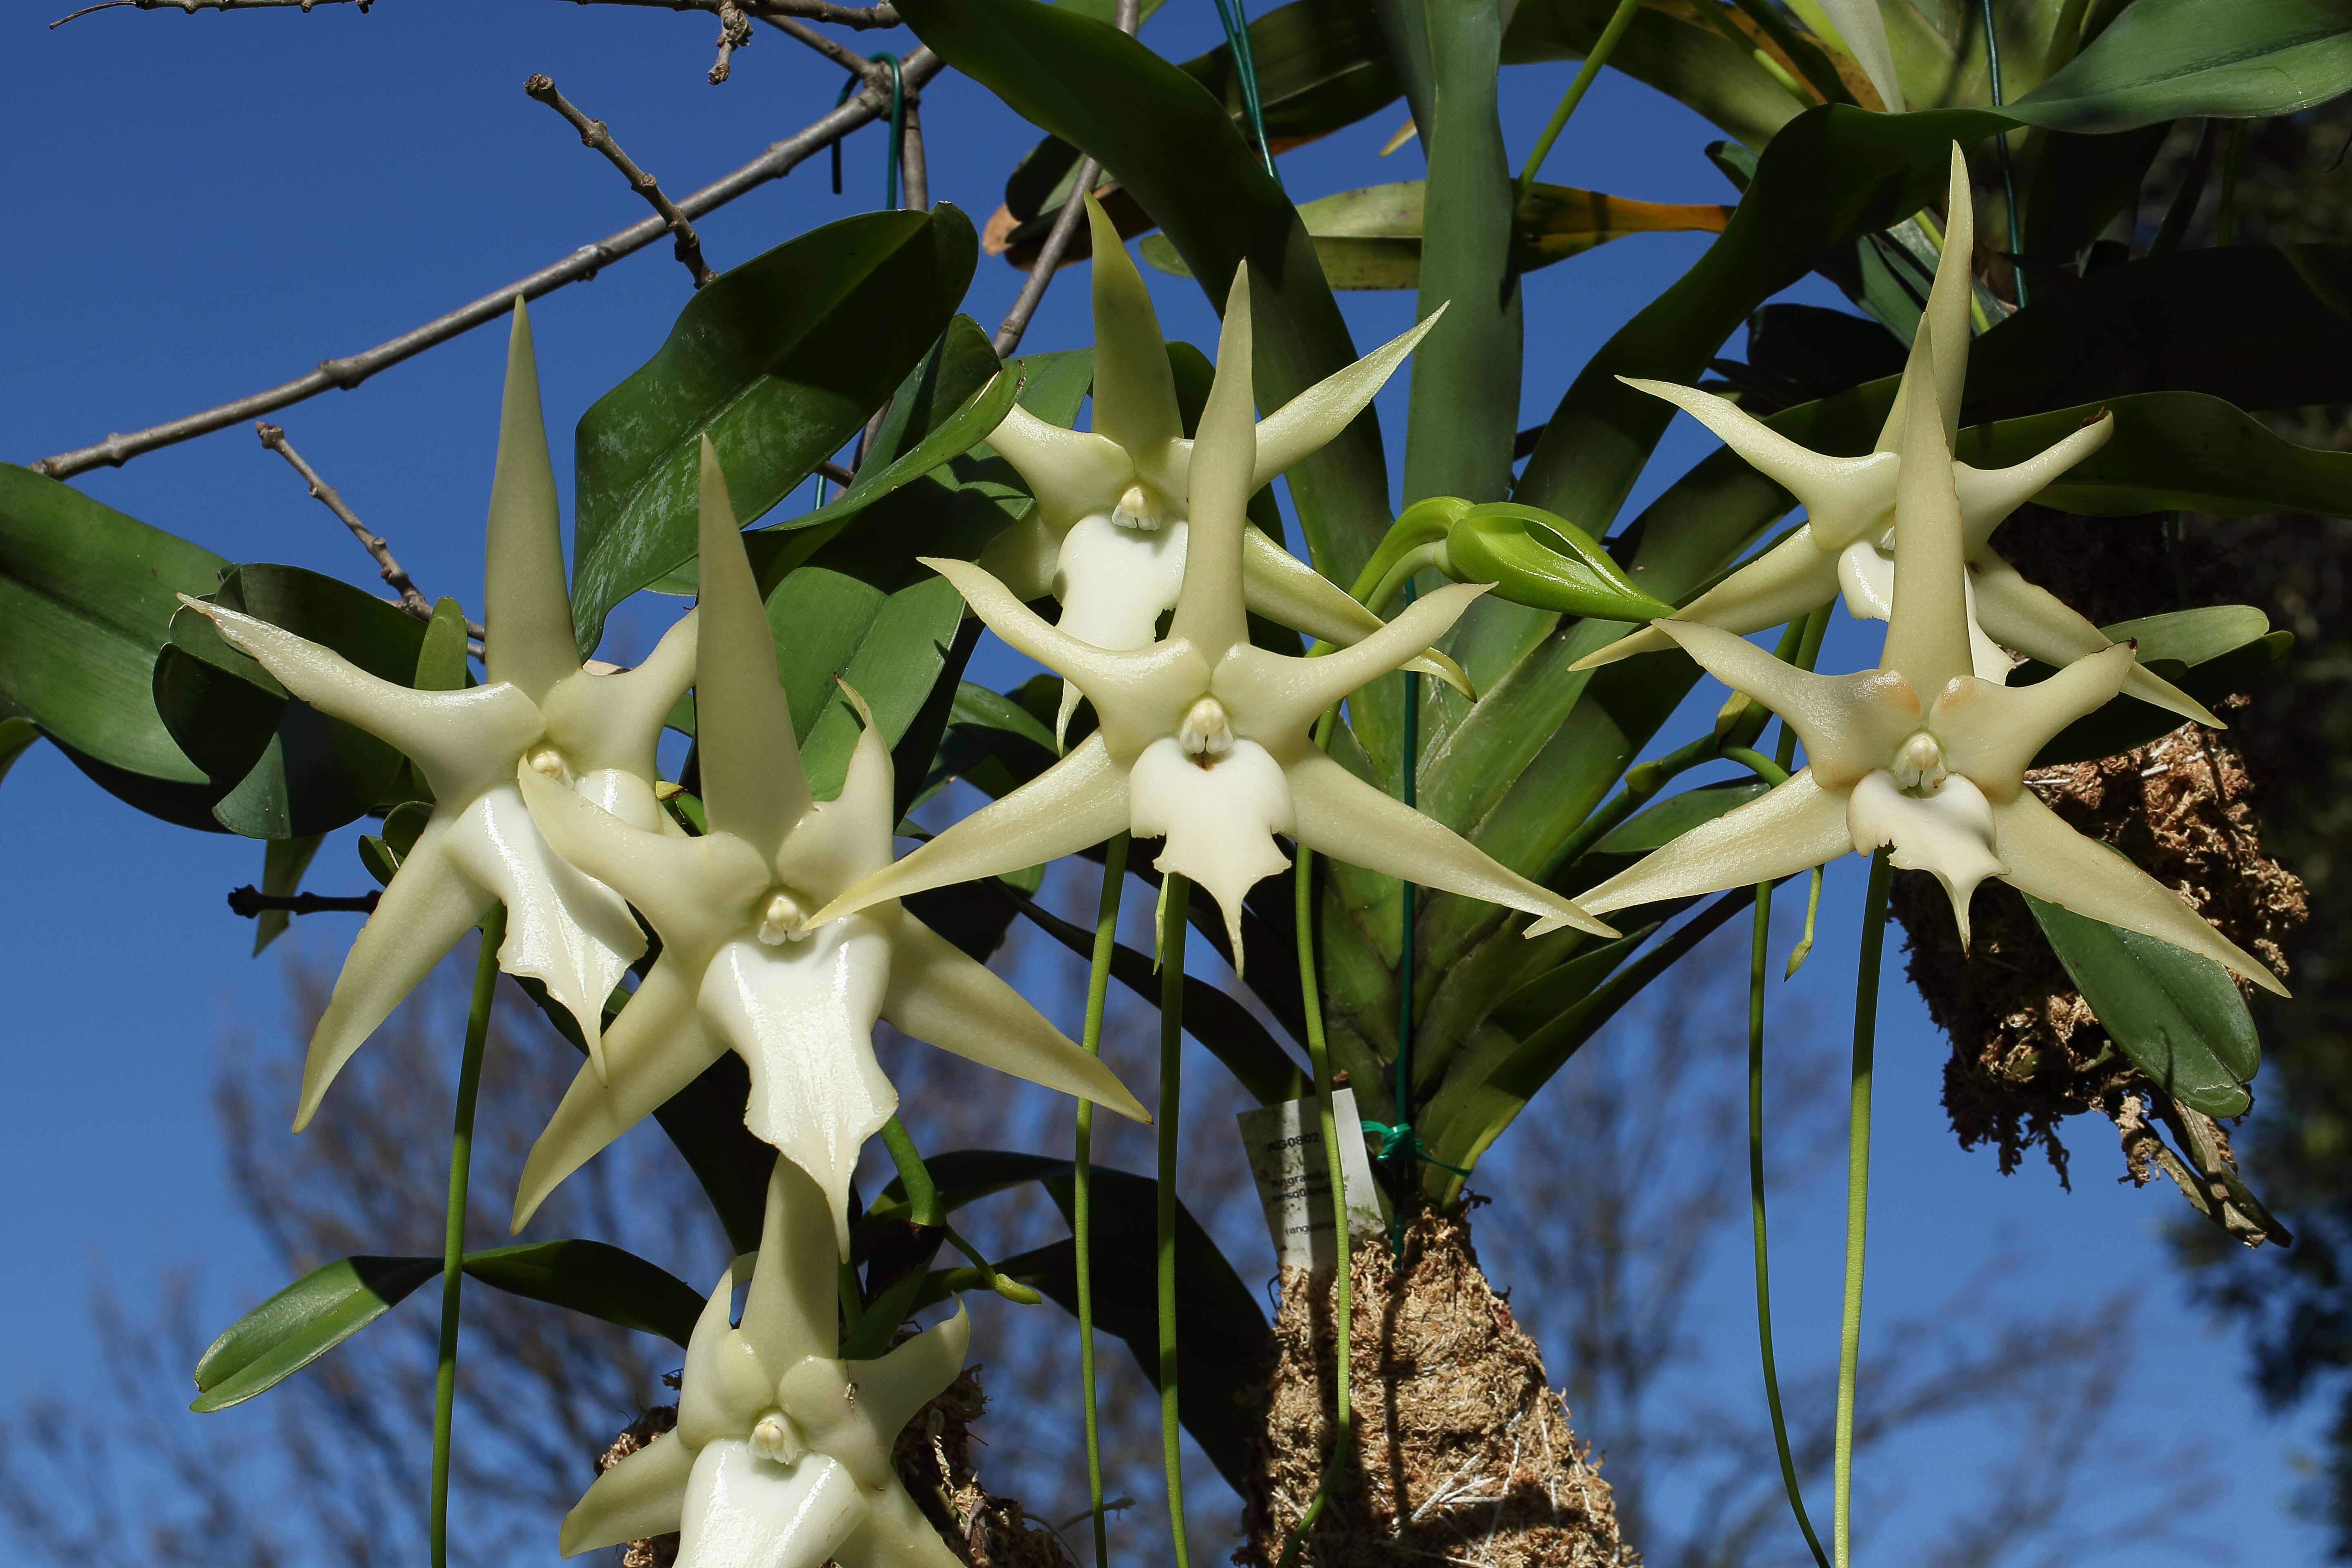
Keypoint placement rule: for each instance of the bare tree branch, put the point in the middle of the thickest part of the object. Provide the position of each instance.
(914, 173)
(846, 58)
(251, 901)
(412, 599)
(778, 160)
(193, 7)
(860, 16)
(592, 133)
(734, 33)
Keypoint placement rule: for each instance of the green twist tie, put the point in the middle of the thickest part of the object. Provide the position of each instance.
(1401, 1140)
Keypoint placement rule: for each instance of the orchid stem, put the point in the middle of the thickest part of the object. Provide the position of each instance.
(1857, 1189)
(1177, 895)
(1757, 953)
(1343, 1240)
(1593, 60)
(1082, 1181)
(453, 1233)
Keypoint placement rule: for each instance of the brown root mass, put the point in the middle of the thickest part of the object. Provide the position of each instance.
(1461, 1451)
(2027, 1051)
(933, 1458)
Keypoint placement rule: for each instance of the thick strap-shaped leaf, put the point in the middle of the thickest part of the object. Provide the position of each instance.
(596, 1279)
(2170, 59)
(302, 1322)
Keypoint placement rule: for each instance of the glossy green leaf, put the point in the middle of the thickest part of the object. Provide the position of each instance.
(2176, 1014)
(286, 769)
(16, 735)
(593, 1278)
(302, 1323)
(87, 597)
(2192, 636)
(1545, 562)
(779, 362)
(1830, 174)
(2172, 60)
(1175, 150)
(2126, 721)
(283, 861)
(1677, 48)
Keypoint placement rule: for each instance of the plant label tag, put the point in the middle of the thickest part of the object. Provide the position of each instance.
(1285, 1144)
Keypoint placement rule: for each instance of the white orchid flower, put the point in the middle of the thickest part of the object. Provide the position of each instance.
(1205, 739)
(1920, 752)
(590, 733)
(1107, 535)
(1847, 541)
(780, 1458)
(742, 966)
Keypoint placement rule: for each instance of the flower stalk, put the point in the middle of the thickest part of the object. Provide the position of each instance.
(453, 1232)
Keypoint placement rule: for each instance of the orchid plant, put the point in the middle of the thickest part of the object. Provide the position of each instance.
(722, 929)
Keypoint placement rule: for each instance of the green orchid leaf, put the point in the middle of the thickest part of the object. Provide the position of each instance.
(2170, 59)
(87, 597)
(1681, 50)
(1537, 559)
(1830, 174)
(779, 362)
(283, 861)
(595, 1278)
(2126, 721)
(302, 1323)
(286, 769)
(1175, 150)
(17, 737)
(2192, 636)
(2172, 451)
(1657, 825)
(2176, 1014)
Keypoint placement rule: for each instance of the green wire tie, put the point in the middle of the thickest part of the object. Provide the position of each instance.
(1401, 1140)
(898, 130)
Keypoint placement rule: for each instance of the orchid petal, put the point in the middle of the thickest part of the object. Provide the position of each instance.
(800, 1014)
(725, 1387)
(463, 741)
(848, 836)
(564, 929)
(1135, 391)
(1928, 636)
(1992, 732)
(1094, 670)
(745, 1511)
(1071, 472)
(427, 907)
(2059, 865)
(1792, 827)
(1949, 834)
(615, 722)
(1209, 610)
(1074, 804)
(1793, 578)
(1849, 723)
(1990, 495)
(852, 1410)
(940, 994)
(654, 1049)
(1276, 699)
(530, 641)
(2034, 621)
(695, 890)
(1114, 581)
(1023, 556)
(1944, 321)
(1219, 820)
(753, 785)
(1309, 421)
(793, 1308)
(1866, 577)
(895, 1536)
(643, 1495)
(1283, 588)
(1844, 498)
(1341, 816)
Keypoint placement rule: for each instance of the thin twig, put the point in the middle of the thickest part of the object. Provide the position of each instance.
(1066, 225)
(847, 58)
(252, 902)
(836, 473)
(412, 599)
(734, 33)
(193, 7)
(592, 133)
(914, 173)
(778, 160)
(860, 16)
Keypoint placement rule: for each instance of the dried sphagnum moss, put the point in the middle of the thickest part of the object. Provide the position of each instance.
(1462, 1452)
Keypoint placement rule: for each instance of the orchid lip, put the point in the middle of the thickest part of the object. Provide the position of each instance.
(1206, 733)
(1137, 510)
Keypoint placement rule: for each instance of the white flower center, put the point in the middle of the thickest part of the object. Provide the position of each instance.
(773, 1439)
(1919, 764)
(782, 921)
(1137, 510)
(1206, 734)
(547, 760)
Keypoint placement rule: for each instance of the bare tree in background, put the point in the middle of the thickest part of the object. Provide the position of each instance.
(1642, 1179)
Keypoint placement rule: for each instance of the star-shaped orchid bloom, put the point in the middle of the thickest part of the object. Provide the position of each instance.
(1205, 739)
(591, 734)
(742, 966)
(1108, 536)
(1920, 752)
(780, 1458)
(1847, 541)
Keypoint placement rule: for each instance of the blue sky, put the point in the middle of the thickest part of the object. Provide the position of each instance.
(211, 205)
